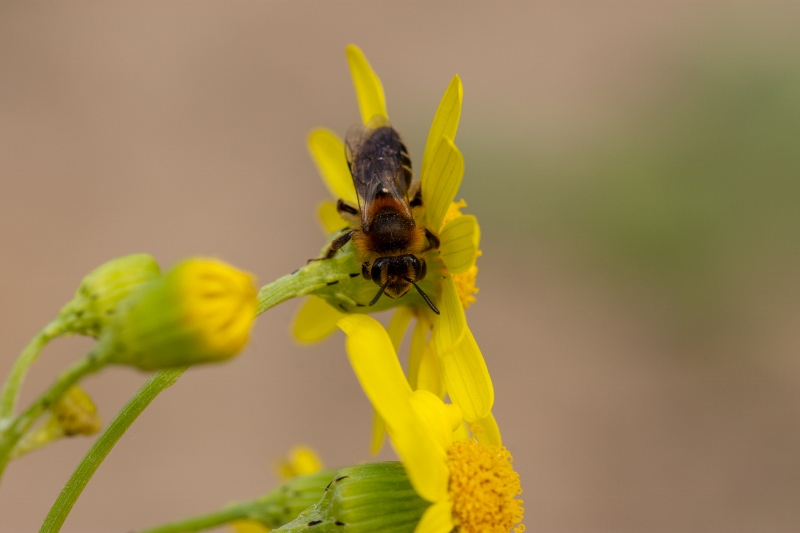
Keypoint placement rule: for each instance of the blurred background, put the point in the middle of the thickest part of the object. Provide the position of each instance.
(634, 166)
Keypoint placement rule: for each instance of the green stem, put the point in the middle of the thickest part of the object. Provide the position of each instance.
(103, 445)
(8, 398)
(240, 511)
(277, 507)
(313, 277)
(8, 438)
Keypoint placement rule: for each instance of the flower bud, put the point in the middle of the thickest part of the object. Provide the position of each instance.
(95, 302)
(73, 414)
(364, 498)
(284, 503)
(201, 311)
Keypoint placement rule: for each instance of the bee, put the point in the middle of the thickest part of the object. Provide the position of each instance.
(388, 240)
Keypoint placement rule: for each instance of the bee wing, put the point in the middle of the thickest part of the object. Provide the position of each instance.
(379, 165)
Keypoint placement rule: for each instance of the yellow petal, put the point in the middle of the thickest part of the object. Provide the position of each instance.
(487, 431)
(440, 183)
(419, 339)
(429, 376)
(450, 325)
(248, 526)
(438, 518)
(459, 239)
(302, 461)
(329, 217)
(435, 416)
(369, 90)
(461, 433)
(398, 325)
(467, 379)
(423, 458)
(327, 150)
(454, 416)
(379, 372)
(445, 122)
(378, 433)
(376, 366)
(315, 320)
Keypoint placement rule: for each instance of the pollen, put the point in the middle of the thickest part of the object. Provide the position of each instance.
(484, 489)
(465, 285)
(454, 211)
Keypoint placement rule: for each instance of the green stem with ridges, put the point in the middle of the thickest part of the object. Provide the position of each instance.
(103, 445)
(272, 510)
(314, 277)
(88, 364)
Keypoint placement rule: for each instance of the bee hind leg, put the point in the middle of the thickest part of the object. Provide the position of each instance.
(433, 241)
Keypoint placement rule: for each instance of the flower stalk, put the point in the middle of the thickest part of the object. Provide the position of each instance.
(103, 445)
(10, 393)
(88, 364)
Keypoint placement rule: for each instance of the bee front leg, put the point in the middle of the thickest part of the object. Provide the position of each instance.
(337, 243)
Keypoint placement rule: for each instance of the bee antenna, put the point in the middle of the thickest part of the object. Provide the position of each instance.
(380, 291)
(425, 296)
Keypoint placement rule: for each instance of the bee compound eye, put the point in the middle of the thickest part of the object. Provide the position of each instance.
(422, 269)
(378, 268)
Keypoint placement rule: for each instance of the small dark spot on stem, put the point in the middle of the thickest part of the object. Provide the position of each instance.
(328, 486)
(343, 308)
(332, 282)
(295, 272)
(314, 522)
(355, 275)
(360, 305)
(338, 479)
(339, 523)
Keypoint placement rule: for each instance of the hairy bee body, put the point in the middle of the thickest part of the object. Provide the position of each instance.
(387, 238)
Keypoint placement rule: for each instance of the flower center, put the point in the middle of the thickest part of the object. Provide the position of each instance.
(483, 488)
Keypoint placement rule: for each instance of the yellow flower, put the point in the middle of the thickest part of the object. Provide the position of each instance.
(301, 461)
(450, 361)
(470, 483)
(201, 311)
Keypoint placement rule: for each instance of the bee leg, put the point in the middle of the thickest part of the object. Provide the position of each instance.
(433, 241)
(365, 268)
(343, 208)
(415, 191)
(337, 243)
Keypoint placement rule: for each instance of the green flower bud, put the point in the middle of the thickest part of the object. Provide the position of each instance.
(73, 414)
(366, 498)
(201, 311)
(95, 302)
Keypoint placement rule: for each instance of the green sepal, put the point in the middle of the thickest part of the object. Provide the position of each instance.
(96, 301)
(368, 498)
(283, 504)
